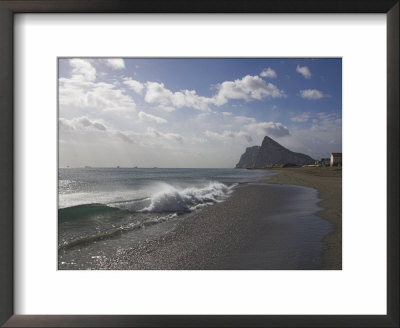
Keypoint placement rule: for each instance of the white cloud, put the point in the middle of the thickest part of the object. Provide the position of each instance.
(82, 91)
(99, 96)
(64, 125)
(174, 136)
(151, 118)
(80, 123)
(304, 70)
(168, 100)
(247, 88)
(82, 70)
(87, 130)
(116, 63)
(244, 119)
(134, 85)
(84, 121)
(227, 134)
(157, 93)
(83, 130)
(268, 72)
(203, 115)
(169, 136)
(123, 137)
(247, 137)
(312, 94)
(301, 118)
(273, 129)
(319, 140)
(328, 118)
(166, 108)
(106, 121)
(97, 125)
(199, 140)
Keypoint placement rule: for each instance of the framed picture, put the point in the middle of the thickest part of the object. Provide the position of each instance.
(177, 163)
(191, 198)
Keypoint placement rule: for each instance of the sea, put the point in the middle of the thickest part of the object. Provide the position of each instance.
(103, 210)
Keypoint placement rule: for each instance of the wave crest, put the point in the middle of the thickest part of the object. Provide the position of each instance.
(173, 199)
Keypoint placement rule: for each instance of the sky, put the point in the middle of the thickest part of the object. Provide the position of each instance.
(195, 112)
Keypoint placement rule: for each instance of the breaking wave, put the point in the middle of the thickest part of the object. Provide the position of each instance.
(88, 223)
(173, 199)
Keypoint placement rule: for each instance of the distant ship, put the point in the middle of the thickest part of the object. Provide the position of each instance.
(88, 167)
(117, 167)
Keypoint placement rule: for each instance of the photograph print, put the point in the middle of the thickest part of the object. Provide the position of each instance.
(199, 163)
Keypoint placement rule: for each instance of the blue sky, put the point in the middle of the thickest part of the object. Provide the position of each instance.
(195, 112)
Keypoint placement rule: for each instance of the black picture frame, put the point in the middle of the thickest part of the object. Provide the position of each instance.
(10, 7)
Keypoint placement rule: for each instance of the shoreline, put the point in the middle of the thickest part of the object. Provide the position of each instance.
(244, 232)
(287, 221)
(328, 182)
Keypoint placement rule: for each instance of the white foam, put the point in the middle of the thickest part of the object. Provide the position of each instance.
(164, 197)
(175, 199)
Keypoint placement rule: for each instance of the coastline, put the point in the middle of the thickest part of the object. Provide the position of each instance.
(274, 224)
(244, 232)
(328, 182)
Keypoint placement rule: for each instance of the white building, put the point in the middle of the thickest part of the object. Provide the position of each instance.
(336, 159)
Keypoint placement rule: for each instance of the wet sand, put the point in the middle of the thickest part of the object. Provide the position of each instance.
(328, 182)
(260, 226)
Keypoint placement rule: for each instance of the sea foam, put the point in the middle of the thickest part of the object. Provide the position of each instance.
(174, 199)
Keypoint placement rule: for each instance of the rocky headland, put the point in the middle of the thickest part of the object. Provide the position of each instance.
(271, 153)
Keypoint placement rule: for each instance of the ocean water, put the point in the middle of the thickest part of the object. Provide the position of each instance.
(102, 210)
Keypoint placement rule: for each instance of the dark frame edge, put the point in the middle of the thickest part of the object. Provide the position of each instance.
(6, 165)
(353, 321)
(7, 316)
(204, 6)
(393, 147)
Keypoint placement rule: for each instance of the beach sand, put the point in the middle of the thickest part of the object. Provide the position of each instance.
(289, 221)
(328, 182)
(258, 227)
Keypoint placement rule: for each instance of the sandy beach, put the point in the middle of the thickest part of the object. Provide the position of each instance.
(290, 220)
(259, 227)
(328, 182)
